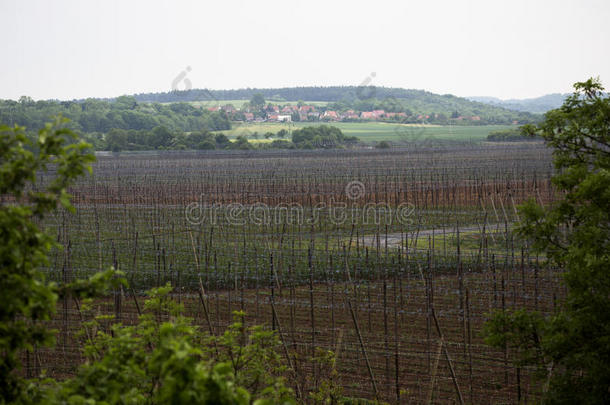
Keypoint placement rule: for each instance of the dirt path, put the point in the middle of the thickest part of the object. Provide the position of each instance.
(395, 239)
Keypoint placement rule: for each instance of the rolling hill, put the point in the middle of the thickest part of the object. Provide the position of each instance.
(533, 105)
(357, 97)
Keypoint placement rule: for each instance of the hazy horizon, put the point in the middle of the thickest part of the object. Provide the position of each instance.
(508, 49)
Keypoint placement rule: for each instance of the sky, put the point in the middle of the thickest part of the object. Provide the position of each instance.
(508, 49)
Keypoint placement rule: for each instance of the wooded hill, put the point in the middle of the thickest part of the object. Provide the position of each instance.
(361, 98)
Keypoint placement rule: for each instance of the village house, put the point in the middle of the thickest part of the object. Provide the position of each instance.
(351, 115)
(395, 114)
(331, 115)
(272, 108)
(473, 118)
(286, 113)
(307, 108)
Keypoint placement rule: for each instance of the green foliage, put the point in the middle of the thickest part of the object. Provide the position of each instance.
(253, 356)
(222, 140)
(257, 100)
(160, 138)
(128, 125)
(27, 299)
(321, 136)
(124, 113)
(572, 347)
(521, 331)
(166, 358)
(508, 135)
(329, 391)
(280, 144)
(160, 360)
(365, 98)
(241, 142)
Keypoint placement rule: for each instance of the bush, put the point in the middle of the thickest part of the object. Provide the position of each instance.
(152, 362)
(508, 135)
(322, 136)
(571, 348)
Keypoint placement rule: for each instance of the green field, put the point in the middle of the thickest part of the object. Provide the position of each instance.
(372, 132)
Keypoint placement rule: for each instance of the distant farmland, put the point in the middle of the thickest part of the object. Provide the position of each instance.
(379, 131)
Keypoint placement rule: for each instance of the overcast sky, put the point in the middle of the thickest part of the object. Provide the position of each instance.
(77, 49)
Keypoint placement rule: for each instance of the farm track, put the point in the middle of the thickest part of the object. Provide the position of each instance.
(398, 239)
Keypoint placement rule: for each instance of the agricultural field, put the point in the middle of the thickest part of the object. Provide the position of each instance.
(391, 259)
(372, 132)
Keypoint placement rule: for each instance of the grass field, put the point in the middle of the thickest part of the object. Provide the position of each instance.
(372, 132)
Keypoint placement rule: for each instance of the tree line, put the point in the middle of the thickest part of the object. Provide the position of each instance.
(510, 135)
(160, 138)
(101, 116)
(439, 108)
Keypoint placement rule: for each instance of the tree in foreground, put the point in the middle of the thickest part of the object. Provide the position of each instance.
(570, 349)
(163, 357)
(27, 299)
(156, 361)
